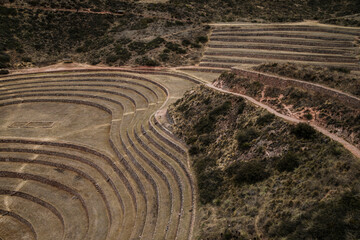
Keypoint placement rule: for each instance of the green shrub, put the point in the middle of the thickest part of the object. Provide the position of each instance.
(195, 45)
(124, 41)
(247, 172)
(205, 139)
(209, 178)
(201, 164)
(182, 107)
(26, 59)
(172, 24)
(221, 110)
(4, 58)
(245, 136)
(123, 54)
(193, 150)
(272, 92)
(308, 116)
(339, 69)
(155, 43)
(175, 48)
(141, 24)
(7, 11)
(205, 125)
(202, 39)
(95, 61)
(303, 130)
(112, 58)
(164, 57)
(191, 140)
(241, 107)
(210, 184)
(265, 119)
(254, 88)
(185, 42)
(287, 162)
(138, 47)
(146, 61)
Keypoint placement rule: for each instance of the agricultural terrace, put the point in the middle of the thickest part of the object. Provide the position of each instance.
(84, 154)
(303, 43)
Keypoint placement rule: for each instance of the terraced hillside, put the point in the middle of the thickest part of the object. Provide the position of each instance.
(83, 154)
(236, 44)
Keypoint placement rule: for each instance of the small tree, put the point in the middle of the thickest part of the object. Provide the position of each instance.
(303, 130)
(287, 162)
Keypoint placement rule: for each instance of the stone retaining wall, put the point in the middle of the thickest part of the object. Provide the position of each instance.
(291, 42)
(293, 28)
(297, 57)
(280, 48)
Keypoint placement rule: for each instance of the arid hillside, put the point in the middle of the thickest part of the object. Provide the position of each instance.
(261, 177)
(172, 33)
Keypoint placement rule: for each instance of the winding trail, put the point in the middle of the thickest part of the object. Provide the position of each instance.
(354, 150)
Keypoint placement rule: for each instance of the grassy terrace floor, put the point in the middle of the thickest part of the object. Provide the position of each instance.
(83, 151)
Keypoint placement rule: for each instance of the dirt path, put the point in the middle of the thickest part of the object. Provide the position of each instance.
(354, 150)
(346, 144)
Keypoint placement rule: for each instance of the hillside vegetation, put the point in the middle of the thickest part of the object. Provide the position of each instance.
(335, 77)
(329, 112)
(261, 177)
(169, 34)
(350, 20)
(217, 10)
(42, 37)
